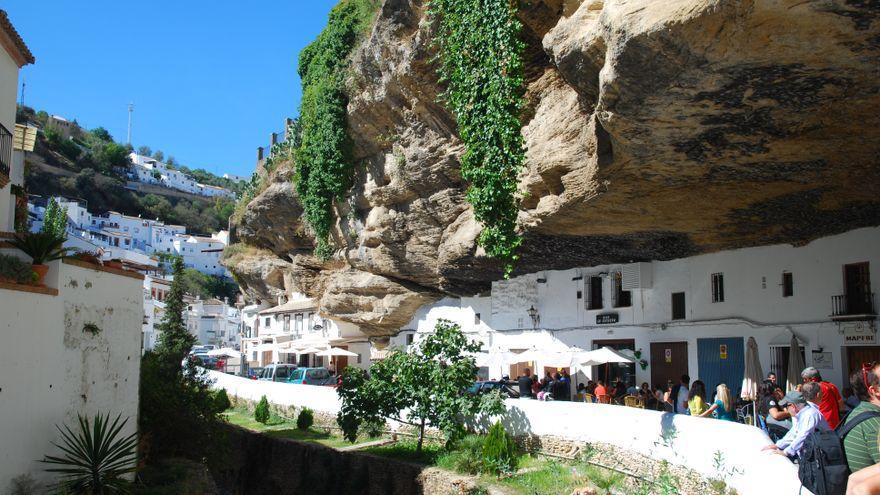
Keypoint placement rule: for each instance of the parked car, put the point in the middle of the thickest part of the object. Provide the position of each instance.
(482, 387)
(254, 373)
(277, 372)
(312, 376)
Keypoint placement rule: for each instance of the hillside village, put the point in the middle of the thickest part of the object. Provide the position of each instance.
(619, 247)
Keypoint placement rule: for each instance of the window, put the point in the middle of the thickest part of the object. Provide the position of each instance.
(580, 294)
(595, 293)
(622, 298)
(298, 326)
(409, 338)
(717, 287)
(476, 318)
(678, 309)
(787, 284)
(266, 321)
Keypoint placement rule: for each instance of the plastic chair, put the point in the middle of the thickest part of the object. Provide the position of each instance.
(589, 398)
(603, 399)
(631, 401)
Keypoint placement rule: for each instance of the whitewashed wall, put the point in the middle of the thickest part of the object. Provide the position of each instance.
(683, 440)
(50, 369)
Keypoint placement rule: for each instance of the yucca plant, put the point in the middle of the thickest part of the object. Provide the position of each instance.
(41, 246)
(96, 457)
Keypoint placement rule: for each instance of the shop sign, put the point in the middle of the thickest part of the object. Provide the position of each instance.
(607, 318)
(722, 350)
(859, 333)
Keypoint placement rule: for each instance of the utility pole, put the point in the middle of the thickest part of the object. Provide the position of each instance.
(130, 110)
(21, 100)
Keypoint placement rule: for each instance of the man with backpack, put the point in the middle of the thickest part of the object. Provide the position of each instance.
(860, 443)
(806, 418)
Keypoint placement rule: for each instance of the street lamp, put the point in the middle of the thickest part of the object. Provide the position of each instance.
(536, 318)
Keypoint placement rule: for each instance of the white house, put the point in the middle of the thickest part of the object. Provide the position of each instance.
(151, 171)
(155, 289)
(14, 55)
(213, 322)
(691, 315)
(296, 323)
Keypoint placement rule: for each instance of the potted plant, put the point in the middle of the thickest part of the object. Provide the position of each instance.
(42, 247)
(88, 256)
(16, 271)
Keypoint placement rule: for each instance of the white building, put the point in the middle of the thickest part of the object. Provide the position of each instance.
(213, 322)
(297, 324)
(235, 178)
(151, 171)
(200, 253)
(692, 315)
(156, 289)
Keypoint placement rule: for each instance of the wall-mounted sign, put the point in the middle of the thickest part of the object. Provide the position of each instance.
(607, 318)
(859, 333)
(822, 361)
(667, 353)
(722, 350)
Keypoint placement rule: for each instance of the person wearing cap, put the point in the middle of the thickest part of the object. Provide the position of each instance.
(831, 402)
(806, 416)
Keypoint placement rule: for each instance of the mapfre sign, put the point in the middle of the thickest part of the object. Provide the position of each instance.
(859, 333)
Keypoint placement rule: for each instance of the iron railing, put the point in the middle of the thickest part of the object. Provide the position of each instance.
(861, 303)
(5, 153)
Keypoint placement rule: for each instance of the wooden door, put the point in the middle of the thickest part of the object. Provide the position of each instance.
(857, 283)
(669, 360)
(340, 362)
(267, 358)
(858, 355)
(516, 369)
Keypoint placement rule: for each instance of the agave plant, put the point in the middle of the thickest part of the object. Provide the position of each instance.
(41, 246)
(95, 457)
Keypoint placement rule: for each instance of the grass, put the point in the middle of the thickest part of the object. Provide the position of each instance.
(171, 477)
(280, 428)
(405, 450)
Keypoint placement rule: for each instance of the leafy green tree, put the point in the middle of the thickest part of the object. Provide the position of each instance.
(196, 283)
(499, 450)
(144, 151)
(158, 155)
(427, 382)
(55, 219)
(109, 155)
(102, 134)
(171, 162)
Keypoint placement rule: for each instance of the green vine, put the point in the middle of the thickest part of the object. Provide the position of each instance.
(481, 61)
(323, 158)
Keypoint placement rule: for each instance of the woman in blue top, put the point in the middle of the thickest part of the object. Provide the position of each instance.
(723, 406)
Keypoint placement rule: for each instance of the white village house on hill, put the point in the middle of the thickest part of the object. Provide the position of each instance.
(152, 171)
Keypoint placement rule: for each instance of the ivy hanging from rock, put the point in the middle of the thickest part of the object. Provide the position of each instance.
(323, 158)
(481, 62)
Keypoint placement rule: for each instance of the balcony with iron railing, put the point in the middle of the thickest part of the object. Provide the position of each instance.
(853, 306)
(5, 155)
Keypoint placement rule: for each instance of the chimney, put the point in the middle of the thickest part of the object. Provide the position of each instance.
(259, 153)
(287, 123)
(273, 138)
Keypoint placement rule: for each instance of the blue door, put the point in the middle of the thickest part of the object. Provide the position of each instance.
(721, 361)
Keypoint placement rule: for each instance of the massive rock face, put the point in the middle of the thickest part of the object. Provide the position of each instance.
(654, 130)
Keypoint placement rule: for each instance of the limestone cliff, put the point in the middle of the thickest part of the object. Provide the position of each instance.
(655, 129)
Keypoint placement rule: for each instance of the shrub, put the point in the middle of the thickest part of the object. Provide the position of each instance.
(468, 457)
(261, 412)
(221, 400)
(306, 419)
(499, 450)
(15, 270)
(96, 456)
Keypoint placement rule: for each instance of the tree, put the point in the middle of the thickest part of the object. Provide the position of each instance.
(55, 219)
(102, 134)
(175, 341)
(107, 156)
(428, 382)
(158, 155)
(144, 151)
(170, 162)
(178, 411)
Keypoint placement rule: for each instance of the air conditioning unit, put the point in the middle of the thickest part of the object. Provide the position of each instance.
(637, 276)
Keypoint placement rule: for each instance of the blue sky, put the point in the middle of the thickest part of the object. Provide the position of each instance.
(209, 80)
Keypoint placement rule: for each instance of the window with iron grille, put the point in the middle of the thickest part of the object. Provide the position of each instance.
(787, 284)
(594, 293)
(678, 308)
(622, 298)
(717, 287)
